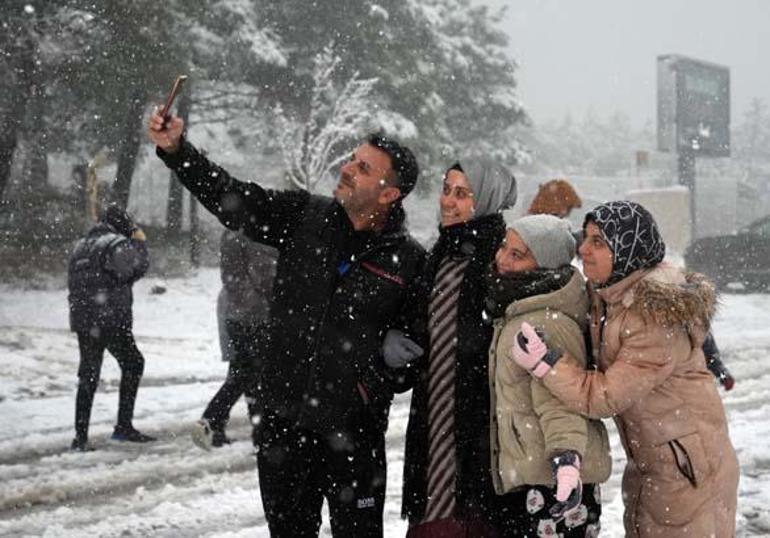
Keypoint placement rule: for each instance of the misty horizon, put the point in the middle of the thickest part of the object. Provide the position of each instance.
(600, 57)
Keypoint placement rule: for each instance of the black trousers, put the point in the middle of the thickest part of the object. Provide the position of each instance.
(299, 468)
(121, 344)
(241, 376)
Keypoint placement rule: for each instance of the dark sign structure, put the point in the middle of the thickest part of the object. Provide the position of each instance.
(693, 107)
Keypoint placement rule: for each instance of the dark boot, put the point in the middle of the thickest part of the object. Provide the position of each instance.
(219, 439)
(81, 445)
(131, 435)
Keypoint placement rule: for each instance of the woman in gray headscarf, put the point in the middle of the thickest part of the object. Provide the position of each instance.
(447, 484)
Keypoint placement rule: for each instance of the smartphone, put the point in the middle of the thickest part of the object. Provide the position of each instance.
(165, 113)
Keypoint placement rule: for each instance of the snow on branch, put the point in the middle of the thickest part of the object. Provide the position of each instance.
(313, 145)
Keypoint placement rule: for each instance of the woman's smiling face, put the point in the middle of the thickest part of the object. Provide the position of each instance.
(456, 201)
(596, 255)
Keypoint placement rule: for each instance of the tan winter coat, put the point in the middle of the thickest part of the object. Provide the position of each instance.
(528, 424)
(682, 474)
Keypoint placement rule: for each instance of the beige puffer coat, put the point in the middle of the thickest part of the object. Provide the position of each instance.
(682, 474)
(528, 424)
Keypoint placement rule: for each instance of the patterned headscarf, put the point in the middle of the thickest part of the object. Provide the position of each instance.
(632, 235)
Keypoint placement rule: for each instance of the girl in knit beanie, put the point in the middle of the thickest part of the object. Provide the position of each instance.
(547, 460)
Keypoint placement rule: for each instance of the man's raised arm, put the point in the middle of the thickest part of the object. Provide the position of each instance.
(264, 215)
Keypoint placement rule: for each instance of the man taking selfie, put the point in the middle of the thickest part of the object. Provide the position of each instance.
(345, 269)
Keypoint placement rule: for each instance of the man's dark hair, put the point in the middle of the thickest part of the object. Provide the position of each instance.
(456, 166)
(402, 160)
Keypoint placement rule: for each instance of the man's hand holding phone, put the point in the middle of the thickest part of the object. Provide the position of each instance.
(166, 134)
(164, 129)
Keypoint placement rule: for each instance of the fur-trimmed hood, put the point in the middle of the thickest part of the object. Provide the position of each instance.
(666, 296)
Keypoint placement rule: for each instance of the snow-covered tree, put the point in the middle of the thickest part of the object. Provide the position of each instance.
(82, 74)
(36, 41)
(472, 87)
(87, 73)
(445, 76)
(313, 144)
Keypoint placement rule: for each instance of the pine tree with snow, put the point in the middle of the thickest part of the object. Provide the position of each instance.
(314, 144)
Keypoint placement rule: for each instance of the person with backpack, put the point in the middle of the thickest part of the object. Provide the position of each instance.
(103, 267)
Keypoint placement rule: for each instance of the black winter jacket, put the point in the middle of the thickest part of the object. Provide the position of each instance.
(475, 496)
(248, 272)
(103, 267)
(336, 293)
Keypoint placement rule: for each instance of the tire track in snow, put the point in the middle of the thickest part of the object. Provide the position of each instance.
(56, 476)
(176, 424)
(65, 477)
(194, 505)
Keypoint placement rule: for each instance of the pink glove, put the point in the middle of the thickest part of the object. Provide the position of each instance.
(530, 350)
(569, 489)
(567, 479)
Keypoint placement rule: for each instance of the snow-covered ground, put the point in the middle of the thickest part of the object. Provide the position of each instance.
(171, 488)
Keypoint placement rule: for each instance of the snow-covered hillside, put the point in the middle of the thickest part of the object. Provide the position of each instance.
(171, 488)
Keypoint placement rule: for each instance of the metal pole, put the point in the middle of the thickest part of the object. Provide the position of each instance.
(686, 168)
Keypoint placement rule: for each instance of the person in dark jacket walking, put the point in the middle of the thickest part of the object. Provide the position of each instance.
(243, 310)
(345, 269)
(447, 474)
(102, 269)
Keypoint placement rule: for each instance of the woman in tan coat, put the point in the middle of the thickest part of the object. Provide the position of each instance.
(541, 449)
(648, 322)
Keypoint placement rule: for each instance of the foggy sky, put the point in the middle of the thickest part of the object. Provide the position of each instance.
(578, 55)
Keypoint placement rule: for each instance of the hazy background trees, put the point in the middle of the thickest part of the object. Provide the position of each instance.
(79, 77)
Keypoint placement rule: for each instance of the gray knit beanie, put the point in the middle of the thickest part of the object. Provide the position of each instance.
(549, 238)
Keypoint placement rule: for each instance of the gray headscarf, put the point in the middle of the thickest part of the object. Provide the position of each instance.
(493, 186)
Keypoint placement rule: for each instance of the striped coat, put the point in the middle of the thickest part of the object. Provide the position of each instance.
(475, 495)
